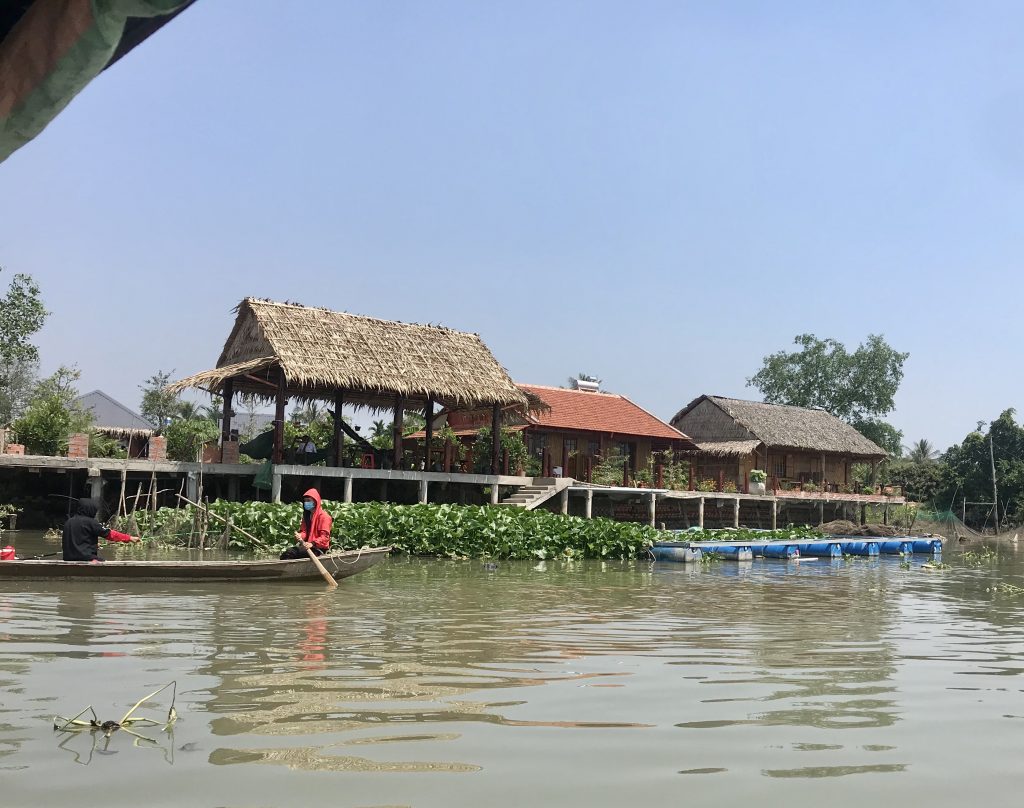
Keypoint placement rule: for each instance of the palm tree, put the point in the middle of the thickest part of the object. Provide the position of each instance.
(921, 451)
(188, 410)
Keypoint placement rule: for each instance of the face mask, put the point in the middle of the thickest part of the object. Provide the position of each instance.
(309, 505)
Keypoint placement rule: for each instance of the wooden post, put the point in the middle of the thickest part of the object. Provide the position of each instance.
(700, 513)
(693, 477)
(885, 513)
(863, 513)
(659, 476)
(496, 439)
(721, 479)
(821, 511)
(339, 436)
(652, 506)
(447, 457)
(225, 418)
(588, 507)
(396, 431)
(736, 512)
(625, 474)
(280, 402)
(428, 412)
(775, 514)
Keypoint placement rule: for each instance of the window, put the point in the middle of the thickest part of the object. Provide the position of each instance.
(779, 466)
(593, 448)
(569, 446)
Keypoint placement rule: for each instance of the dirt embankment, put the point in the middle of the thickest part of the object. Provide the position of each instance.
(844, 527)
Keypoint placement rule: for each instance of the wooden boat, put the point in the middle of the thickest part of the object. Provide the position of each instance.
(340, 564)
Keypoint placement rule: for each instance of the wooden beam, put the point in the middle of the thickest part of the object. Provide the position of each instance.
(396, 431)
(225, 420)
(428, 412)
(339, 436)
(280, 402)
(258, 380)
(496, 440)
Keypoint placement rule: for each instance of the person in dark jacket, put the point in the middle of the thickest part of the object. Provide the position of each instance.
(83, 532)
(315, 531)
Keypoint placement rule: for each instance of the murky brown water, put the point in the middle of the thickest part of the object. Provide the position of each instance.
(428, 683)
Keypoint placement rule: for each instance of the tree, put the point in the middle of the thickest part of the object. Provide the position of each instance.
(158, 404)
(967, 470)
(51, 415)
(921, 451)
(186, 436)
(854, 387)
(21, 316)
(857, 387)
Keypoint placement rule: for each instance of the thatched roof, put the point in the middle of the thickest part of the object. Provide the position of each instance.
(322, 352)
(727, 448)
(779, 426)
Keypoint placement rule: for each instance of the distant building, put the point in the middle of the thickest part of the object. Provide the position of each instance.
(794, 445)
(112, 418)
(570, 430)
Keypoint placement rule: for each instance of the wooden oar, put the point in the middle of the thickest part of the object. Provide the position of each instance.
(323, 570)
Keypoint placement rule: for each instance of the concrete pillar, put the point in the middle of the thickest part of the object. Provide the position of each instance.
(736, 512)
(275, 488)
(700, 513)
(588, 506)
(423, 492)
(652, 508)
(347, 495)
(863, 513)
(96, 490)
(233, 488)
(564, 501)
(495, 493)
(775, 514)
(192, 486)
(885, 513)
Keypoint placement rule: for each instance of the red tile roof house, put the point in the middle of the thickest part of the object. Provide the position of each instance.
(580, 426)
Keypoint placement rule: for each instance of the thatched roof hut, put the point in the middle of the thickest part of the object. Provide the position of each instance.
(278, 351)
(320, 352)
(748, 423)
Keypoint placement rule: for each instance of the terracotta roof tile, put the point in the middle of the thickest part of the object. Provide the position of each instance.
(598, 412)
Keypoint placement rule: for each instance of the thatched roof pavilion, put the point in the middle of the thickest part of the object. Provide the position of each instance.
(278, 351)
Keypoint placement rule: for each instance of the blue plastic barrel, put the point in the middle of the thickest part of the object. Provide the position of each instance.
(677, 551)
(780, 551)
(861, 548)
(895, 547)
(827, 549)
(927, 546)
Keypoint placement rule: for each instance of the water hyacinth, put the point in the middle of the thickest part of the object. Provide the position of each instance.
(453, 531)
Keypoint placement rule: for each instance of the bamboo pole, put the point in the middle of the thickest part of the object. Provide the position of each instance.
(222, 519)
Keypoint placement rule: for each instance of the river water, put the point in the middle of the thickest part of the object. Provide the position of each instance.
(432, 683)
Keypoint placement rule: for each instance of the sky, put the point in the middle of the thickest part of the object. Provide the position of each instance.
(656, 193)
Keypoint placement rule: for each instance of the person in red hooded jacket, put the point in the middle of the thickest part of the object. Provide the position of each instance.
(315, 531)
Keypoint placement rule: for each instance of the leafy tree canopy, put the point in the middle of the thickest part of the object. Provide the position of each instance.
(853, 386)
(158, 404)
(21, 316)
(51, 415)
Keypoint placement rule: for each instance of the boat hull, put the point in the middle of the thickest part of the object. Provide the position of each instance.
(340, 564)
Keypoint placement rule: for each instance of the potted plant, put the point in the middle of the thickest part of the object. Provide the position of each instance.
(757, 481)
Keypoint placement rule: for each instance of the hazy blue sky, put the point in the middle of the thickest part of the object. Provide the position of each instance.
(656, 193)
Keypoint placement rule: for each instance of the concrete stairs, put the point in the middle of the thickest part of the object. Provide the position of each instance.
(538, 492)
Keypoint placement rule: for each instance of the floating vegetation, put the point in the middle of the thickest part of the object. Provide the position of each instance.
(450, 531)
(1008, 589)
(108, 728)
(711, 557)
(975, 558)
(931, 566)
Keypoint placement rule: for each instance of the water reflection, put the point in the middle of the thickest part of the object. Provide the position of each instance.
(434, 683)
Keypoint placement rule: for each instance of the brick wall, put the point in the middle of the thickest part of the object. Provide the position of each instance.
(229, 452)
(78, 445)
(158, 448)
(15, 449)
